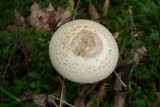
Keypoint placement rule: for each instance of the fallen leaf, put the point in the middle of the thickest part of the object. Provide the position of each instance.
(19, 17)
(44, 99)
(35, 7)
(79, 101)
(100, 95)
(83, 91)
(40, 99)
(42, 18)
(52, 101)
(11, 27)
(141, 52)
(27, 96)
(158, 95)
(70, 5)
(93, 12)
(19, 20)
(49, 18)
(116, 34)
(65, 14)
(105, 8)
(92, 102)
(98, 98)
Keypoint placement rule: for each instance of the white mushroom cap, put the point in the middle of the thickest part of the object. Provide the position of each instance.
(83, 51)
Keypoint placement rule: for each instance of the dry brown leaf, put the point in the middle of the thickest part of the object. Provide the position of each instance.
(43, 18)
(79, 102)
(40, 99)
(83, 91)
(158, 95)
(19, 17)
(27, 96)
(141, 52)
(105, 8)
(50, 8)
(101, 93)
(35, 7)
(93, 12)
(65, 14)
(92, 102)
(116, 34)
(52, 100)
(11, 27)
(48, 18)
(70, 6)
(97, 99)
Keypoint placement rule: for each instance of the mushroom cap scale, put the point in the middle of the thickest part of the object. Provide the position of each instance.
(83, 51)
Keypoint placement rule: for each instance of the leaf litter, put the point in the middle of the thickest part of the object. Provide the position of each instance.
(47, 18)
(50, 19)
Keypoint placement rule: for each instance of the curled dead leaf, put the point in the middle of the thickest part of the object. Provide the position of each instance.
(101, 93)
(19, 17)
(93, 11)
(116, 34)
(42, 18)
(11, 27)
(65, 14)
(48, 18)
(35, 7)
(141, 52)
(98, 98)
(105, 8)
(158, 95)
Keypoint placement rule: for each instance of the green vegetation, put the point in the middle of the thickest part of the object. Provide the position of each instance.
(25, 65)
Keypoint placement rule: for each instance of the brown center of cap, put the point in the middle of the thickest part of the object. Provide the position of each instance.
(86, 44)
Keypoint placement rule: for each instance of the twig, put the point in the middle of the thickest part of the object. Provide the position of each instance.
(25, 57)
(61, 100)
(75, 12)
(5, 41)
(9, 60)
(120, 79)
(61, 97)
(8, 65)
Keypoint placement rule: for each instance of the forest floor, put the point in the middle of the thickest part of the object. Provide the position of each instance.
(28, 79)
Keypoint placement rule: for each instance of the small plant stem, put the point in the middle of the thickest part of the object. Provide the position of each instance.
(9, 60)
(62, 101)
(9, 94)
(120, 79)
(75, 12)
(8, 64)
(61, 97)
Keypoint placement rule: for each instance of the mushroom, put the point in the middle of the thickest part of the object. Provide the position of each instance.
(83, 51)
